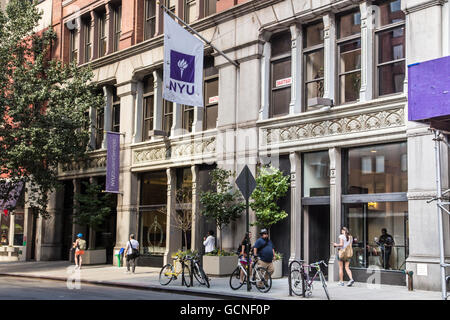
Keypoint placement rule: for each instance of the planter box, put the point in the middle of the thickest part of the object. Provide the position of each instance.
(12, 249)
(3, 249)
(277, 269)
(219, 266)
(94, 256)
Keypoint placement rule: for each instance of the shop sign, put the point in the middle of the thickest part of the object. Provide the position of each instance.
(214, 99)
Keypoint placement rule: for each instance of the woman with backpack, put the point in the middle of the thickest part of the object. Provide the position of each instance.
(132, 252)
(345, 253)
(79, 245)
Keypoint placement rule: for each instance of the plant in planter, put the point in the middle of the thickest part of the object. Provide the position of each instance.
(223, 206)
(271, 185)
(91, 209)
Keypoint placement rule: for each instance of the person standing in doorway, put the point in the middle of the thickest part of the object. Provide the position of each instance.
(209, 242)
(132, 252)
(79, 245)
(345, 240)
(265, 251)
(386, 242)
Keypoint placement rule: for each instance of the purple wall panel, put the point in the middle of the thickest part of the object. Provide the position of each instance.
(429, 89)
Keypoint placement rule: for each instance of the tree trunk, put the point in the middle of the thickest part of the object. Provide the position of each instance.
(91, 238)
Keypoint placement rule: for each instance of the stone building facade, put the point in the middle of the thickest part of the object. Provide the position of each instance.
(357, 163)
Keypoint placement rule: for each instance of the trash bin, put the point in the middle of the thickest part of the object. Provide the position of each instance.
(119, 256)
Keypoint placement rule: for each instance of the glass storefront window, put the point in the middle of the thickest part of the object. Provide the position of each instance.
(316, 174)
(4, 228)
(377, 169)
(153, 231)
(374, 247)
(154, 188)
(18, 228)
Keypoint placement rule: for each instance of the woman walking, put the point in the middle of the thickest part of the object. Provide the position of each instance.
(345, 254)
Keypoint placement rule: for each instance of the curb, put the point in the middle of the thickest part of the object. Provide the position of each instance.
(150, 287)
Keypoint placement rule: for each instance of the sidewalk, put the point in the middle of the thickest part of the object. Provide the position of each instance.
(147, 278)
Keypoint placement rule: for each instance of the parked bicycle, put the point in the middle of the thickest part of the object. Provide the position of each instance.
(197, 270)
(260, 276)
(300, 281)
(171, 271)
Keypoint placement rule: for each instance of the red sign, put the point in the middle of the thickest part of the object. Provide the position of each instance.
(283, 82)
(214, 99)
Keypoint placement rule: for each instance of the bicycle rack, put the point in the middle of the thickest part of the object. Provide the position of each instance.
(289, 278)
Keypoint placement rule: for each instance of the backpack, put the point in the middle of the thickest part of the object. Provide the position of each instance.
(82, 244)
(135, 252)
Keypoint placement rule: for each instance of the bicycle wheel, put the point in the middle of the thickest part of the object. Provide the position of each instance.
(186, 276)
(204, 276)
(235, 279)
(166, 274)
(263, 279)
(296, 278)
(198, 274)
(324, 284)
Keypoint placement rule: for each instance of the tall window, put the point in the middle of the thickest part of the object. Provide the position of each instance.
(150, 19)
(349, 53)
(117, 27)
(102, 34)
(210, 7)
(190, 10)
(99, 128)
(313, 62)
(211, 87)
(74, 45)
(167, 116)
(390, 41)
(188, 118)
(149, 99)
(170, 4)
(87, 41)
(280, 65)
(116, 112)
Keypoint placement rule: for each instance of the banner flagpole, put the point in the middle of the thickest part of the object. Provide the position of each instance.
(235, 63)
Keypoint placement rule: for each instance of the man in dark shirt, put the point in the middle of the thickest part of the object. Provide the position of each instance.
(386, 242)
(265, 251)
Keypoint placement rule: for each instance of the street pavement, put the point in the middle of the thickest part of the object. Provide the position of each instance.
(13, 288)
(147, 278)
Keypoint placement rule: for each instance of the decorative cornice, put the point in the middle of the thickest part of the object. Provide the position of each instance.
(423, 6)
(95, 162)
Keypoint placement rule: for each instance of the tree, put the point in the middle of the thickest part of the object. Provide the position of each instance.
(42, 106)
(271, 185)
(92, 208)
(183, 217)
(223, 205)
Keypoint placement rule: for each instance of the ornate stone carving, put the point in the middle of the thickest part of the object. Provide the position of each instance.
(95, 162)
(350, 124)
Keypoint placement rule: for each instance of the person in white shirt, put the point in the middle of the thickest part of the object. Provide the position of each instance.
(209, 242)
(131, 257)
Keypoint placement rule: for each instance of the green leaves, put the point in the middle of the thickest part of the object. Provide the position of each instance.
(92, 207)
(42, 104)
(271, 186)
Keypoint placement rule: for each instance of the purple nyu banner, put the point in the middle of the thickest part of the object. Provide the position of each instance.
(112, 162)
(429, 89)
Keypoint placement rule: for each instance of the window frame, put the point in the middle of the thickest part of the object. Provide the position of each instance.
(149, 20)
(305, 52)
(339, 43)
(115, 104)
(74, 37)
(87, 41)
(378, 30)
(117, 27)
(166, 115)
(145, 96)
(208, 105)
(101, 36)
(186, 6)
(99, 127)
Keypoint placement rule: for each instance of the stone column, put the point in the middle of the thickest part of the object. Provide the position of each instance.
(11, 228)
(367, 56)
(107, 124)
(296, 70)
(51, 228)
(92, 127)
(177, 124)
(197, 125)
(335, 209)
(265, 81)
(173, 235)
(296, 206)
(196, 238)
(329, 55)
(158, 101)
(138, 116)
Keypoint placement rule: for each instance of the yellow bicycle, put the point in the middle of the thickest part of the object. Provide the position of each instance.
(171, 271)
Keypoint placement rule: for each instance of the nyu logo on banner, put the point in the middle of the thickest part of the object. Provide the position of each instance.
(183, 65)
(112, 162)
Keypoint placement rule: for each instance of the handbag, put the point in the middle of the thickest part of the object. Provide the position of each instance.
(347, 253)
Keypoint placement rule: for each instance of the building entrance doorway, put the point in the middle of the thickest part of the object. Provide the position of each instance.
(318, 224)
